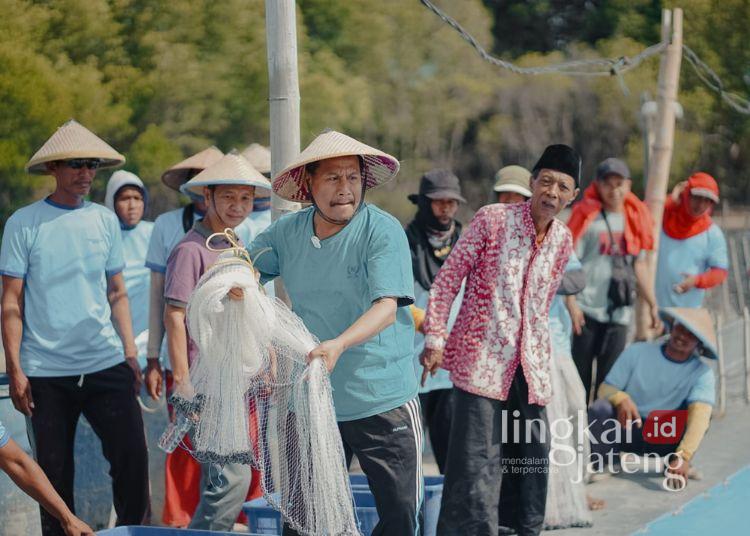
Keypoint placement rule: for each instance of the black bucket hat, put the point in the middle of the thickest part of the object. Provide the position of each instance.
(439, 184)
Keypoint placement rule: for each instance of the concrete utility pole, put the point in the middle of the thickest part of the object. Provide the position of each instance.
(281, 43)
(661, 156)
(283, 82)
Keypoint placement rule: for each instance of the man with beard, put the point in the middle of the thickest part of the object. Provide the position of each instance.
(432, 234)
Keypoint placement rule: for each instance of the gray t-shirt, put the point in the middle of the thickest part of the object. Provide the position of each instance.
(594, 249)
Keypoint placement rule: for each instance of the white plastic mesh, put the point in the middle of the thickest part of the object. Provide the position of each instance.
(253, 399)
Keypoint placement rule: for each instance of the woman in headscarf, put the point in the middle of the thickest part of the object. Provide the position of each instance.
(692, 250)
(127, 197)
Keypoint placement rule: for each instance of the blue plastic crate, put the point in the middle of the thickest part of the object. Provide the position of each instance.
(262, 518)
(358, 482)
(159, 531)
(367, 514)
(433, 495)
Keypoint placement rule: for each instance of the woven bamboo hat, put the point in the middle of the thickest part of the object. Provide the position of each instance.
(291, 183)
(698, 322)
(179, 174)
(233, 168)
(73, 140)
(259, 157)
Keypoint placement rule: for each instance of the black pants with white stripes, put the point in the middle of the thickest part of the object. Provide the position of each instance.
(389, 449)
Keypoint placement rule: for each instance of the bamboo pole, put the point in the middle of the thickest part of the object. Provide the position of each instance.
(284, 97)
(661, 157)
(722, 368)
(738, 275)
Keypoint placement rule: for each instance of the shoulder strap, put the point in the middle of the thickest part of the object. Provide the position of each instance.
(614, 247)
(188, 216)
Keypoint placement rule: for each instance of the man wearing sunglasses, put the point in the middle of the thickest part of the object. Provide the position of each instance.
(67, 334)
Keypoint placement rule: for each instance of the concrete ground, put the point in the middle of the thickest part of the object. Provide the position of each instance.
(633, 500)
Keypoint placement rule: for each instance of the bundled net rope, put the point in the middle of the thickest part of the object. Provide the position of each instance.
(253, 399)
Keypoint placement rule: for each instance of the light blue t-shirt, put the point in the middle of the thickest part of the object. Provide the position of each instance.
(166, 234)
(4, 436)
(259, 220)
(138, 281)
(560, 324)
(332, 286)
(64, 256)
(654, 381)
(441, 379)
(168, 231)
(690, 256)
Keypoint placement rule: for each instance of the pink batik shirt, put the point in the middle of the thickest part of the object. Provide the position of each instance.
(504, 316)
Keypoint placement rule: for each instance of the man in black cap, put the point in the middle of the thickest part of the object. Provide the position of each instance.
(432, 234)
(512, 258)
(612, 230)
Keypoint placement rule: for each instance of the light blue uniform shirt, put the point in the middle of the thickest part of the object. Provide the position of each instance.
(4, 436)
(168, 232)
(332, 286)
(653, 381)
(259, 221)
(138, 281)
(690, 256)
(560, 324)
(64, 256)
(441, 379)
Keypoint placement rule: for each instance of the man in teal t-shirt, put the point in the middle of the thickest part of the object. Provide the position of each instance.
(346, 267)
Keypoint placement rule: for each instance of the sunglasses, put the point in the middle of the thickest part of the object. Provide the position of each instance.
(78, 163)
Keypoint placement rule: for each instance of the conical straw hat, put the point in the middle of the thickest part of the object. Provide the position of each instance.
(259, 157)
(291, 185)
(698, 322)
(178, 174)
(73, 140)
(231, 169)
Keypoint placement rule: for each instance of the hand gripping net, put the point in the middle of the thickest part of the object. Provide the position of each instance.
(253, 399)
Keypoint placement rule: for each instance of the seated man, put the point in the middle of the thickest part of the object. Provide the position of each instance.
(659, 375)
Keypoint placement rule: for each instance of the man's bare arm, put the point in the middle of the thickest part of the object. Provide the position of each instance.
(12, 329)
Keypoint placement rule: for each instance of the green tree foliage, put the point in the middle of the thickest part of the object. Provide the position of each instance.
(160, 80)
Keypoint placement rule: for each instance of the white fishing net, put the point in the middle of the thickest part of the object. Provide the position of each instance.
(253, 399)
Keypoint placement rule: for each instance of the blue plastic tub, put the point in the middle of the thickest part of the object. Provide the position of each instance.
(159, 531)
(262, 518)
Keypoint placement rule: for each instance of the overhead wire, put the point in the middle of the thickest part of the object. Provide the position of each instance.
(600, 66)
